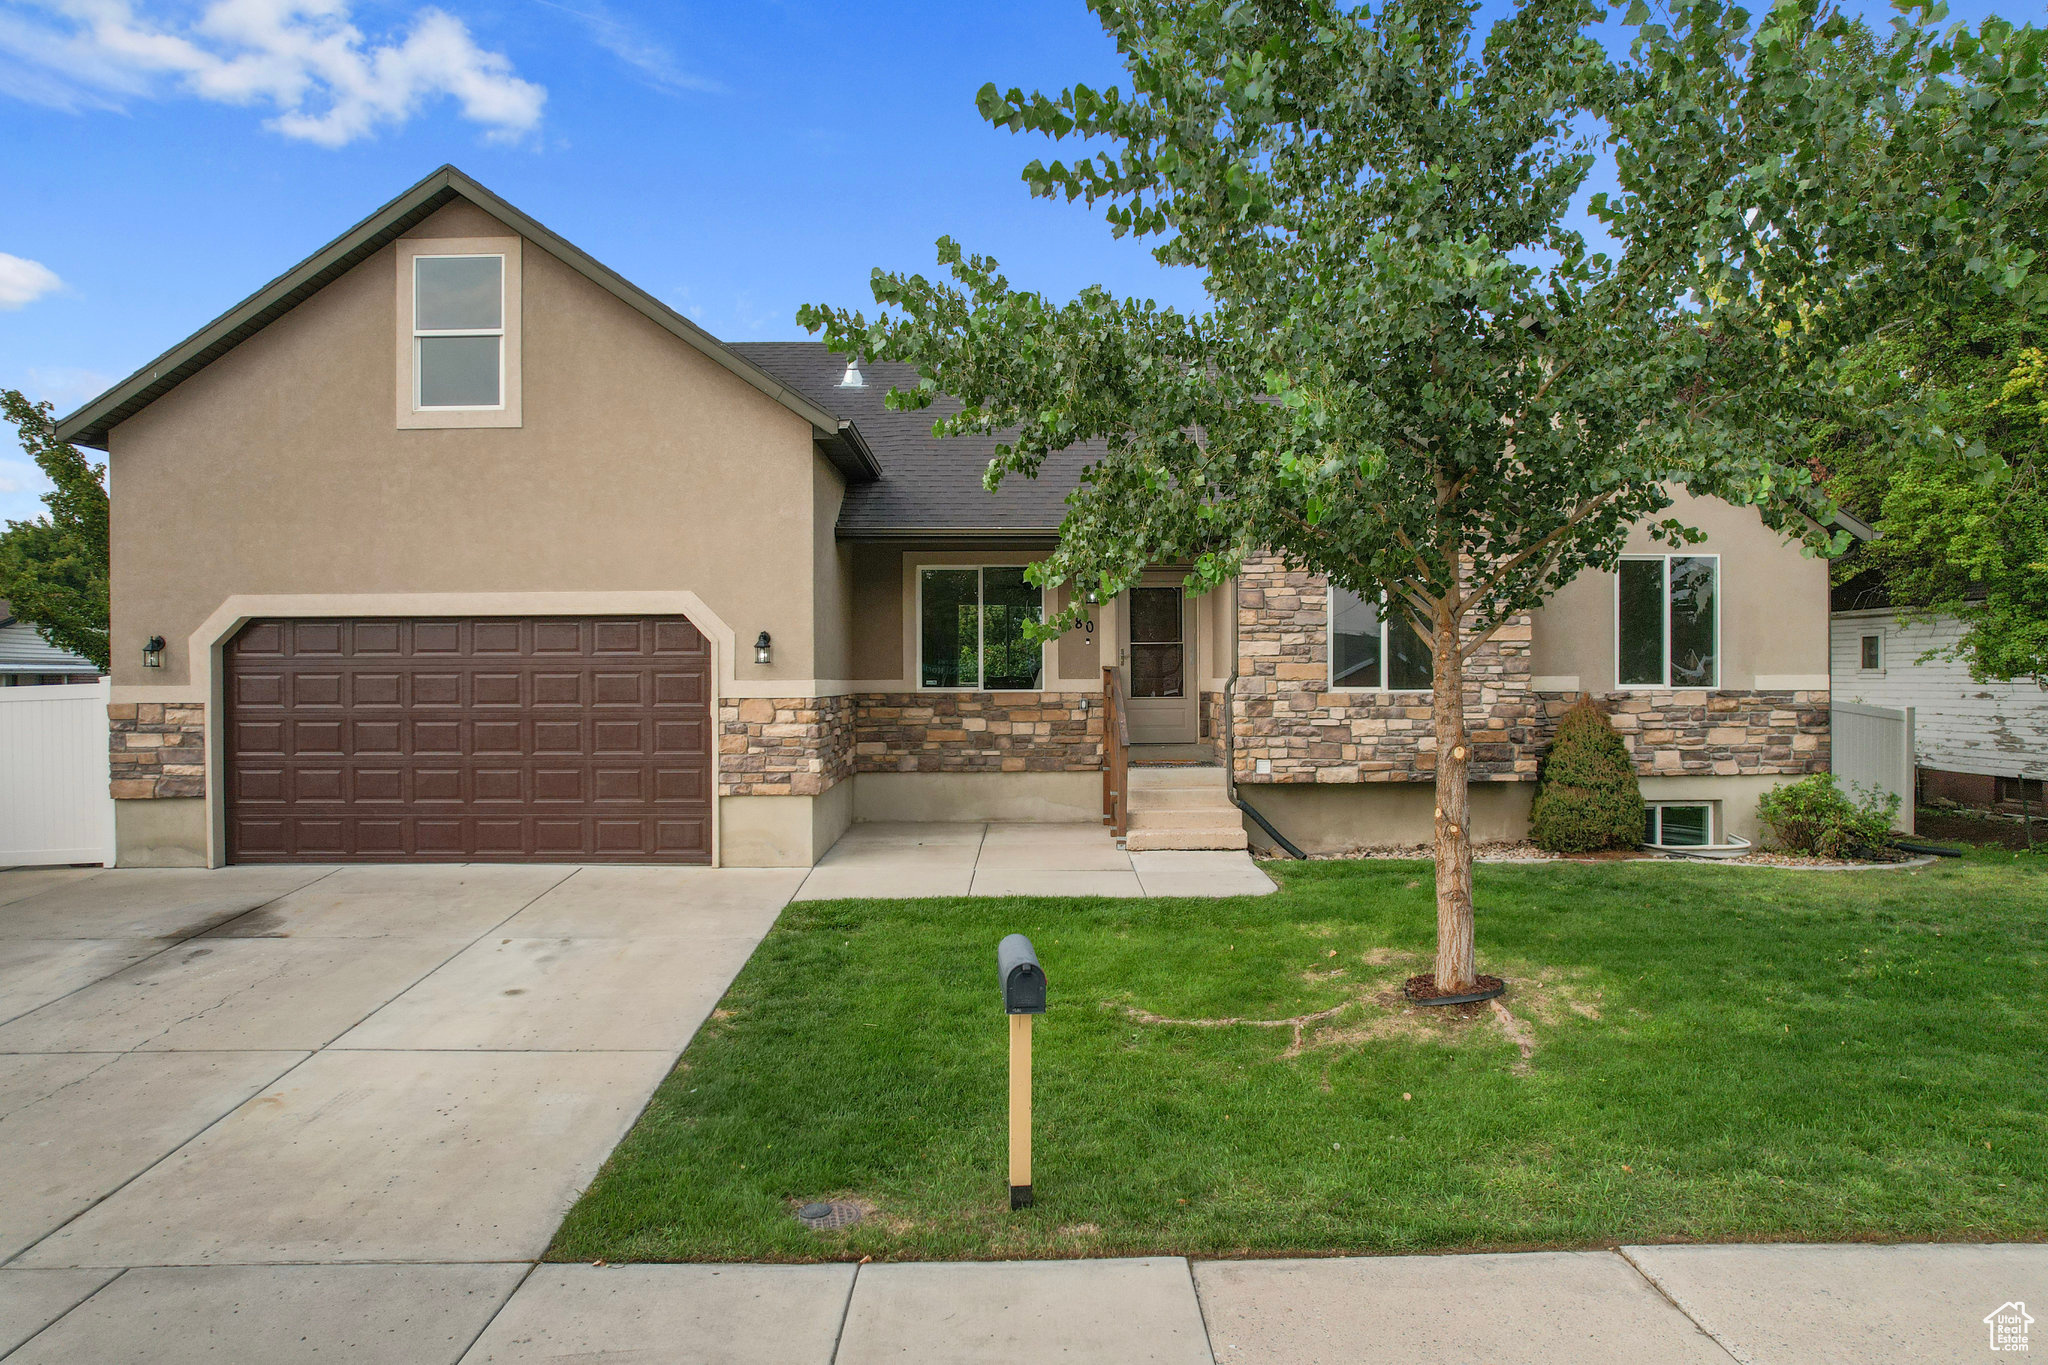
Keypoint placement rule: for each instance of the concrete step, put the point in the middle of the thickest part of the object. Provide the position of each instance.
(1191, 776)
(1207, 817)
(1148, 840)
(1179, 798)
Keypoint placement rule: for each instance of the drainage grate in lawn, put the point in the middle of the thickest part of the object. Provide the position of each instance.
(828, 1217)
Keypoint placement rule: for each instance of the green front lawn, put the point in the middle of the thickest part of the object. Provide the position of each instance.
(1712, 1053)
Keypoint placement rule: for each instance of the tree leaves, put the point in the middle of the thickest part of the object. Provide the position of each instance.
(53, 570)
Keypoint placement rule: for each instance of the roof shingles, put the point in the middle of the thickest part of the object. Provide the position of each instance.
(928, 486)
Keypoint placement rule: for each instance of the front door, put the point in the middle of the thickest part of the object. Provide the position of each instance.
(1159, 662)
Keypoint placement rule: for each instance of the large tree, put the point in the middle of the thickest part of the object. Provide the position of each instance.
(53, 570)
(1965, 537)
(1414, 373)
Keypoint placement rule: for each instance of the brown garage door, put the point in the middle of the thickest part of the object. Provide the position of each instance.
(488, 738)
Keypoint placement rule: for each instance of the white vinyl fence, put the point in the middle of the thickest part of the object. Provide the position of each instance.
(1873, 747)
(54, 802)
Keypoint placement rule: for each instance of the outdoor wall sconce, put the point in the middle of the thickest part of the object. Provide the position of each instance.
(153, 652)
(761, 650)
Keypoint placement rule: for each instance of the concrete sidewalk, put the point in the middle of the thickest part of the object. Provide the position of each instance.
(1762, 1305)
(971, 858)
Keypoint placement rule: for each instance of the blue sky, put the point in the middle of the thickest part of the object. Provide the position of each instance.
(736, 160)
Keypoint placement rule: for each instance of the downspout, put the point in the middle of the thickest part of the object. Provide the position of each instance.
(1230, 743)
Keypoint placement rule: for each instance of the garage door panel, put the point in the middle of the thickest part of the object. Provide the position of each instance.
(323, 737)
(614, 736)
(436, 689)
(558, 737)
(496, 738)
(314, 638)
(558, 786)
(374, 689)
(558, 637)
(259, 688)
(496, 689)
(610, 688)
(675, 688)
(316, 689)
(379, 737)
(557, 689)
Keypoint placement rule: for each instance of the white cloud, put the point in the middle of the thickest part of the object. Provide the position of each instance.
(328, 82)
(635, 47)
(67, 386)
(22, 282)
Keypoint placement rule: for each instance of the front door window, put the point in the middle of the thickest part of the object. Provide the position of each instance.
(1157, 651)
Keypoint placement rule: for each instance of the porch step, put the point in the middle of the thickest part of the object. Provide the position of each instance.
(1216, 816)
(1185, 806)
(1177, 798)
(1148, 840)
(1179, 776)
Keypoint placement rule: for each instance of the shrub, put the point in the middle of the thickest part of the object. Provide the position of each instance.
(1814, 815)
(1586, 793)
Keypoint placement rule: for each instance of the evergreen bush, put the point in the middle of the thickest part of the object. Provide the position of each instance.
(1586, 793)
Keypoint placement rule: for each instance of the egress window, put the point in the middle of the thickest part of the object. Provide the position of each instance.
(1667, 621)
(1676, 824)
(970, 630)
(1373, 648)
(458, 328)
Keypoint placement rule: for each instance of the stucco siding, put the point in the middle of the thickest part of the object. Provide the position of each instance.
(1959, 724)
(1774, 609)
(640, 466)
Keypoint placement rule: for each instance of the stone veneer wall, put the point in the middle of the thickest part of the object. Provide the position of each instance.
(1284, 711)
(157, 749)
(1211, 722)
(977, 732)
(784, 746)
(1715, 734)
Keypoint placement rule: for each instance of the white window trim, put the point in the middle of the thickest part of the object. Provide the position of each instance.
(420, 333)
(1878, 636)
(1664, 626)
(509, 411)
(1330, 651)
(1712, 807)
(981, 675)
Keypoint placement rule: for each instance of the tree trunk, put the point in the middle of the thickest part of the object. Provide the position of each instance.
(1454, 965)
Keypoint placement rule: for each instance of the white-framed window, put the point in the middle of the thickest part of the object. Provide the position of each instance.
(1678, 824)
(1667, 621)
(1373, 649)
(971, 622)
(458, 332)
(1870, 653)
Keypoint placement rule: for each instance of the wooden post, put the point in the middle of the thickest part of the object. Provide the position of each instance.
(1020, 1111)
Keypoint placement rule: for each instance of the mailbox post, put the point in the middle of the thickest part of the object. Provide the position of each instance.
(1023, 996)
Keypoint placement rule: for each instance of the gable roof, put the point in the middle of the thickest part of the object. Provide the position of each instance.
(90, 424)
(929, 487)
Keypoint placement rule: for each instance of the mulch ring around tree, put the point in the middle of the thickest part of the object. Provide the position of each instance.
(1422, 989)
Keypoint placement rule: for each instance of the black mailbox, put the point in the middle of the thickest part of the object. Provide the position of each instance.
(1023, 978)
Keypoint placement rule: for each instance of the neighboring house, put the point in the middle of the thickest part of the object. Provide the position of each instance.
(461, 546)
(1977, 744)
(28, 660)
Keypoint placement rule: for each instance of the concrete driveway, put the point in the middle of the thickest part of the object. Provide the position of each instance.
(344, 1067)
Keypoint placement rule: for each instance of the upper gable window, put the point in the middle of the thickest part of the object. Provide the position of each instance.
(459, 332)
(1668, 621)
(458, 329)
